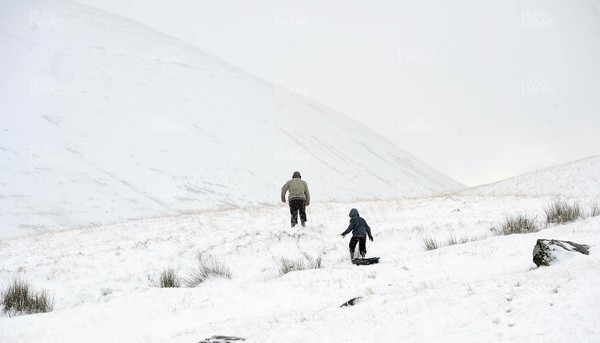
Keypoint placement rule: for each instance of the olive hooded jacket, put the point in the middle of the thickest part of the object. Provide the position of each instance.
(298, 189)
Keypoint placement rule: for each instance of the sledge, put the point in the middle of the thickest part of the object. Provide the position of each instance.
(365, 261)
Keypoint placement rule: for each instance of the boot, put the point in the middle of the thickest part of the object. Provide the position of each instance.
(294, 221)
(303, 223)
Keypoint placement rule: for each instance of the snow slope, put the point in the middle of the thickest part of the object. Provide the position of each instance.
(579, 178)
(104, 278)
(104, 119)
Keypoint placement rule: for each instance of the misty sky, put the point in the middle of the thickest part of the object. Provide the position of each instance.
(479, 90)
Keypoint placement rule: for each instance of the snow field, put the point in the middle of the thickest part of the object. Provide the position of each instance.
(104, 278)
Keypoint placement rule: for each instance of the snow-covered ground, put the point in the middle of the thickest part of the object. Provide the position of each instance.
(104, 278)
(104, 119)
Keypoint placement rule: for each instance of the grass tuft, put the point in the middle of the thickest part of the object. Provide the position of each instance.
(19, 298)
(289, 265)
(169, 279)
(517, 225)
(208, 266)
(595, 210)
(562, 212)
(430, 243)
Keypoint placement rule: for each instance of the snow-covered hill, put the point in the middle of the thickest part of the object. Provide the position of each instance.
(579, 178)
(104, 278)
(104, 119)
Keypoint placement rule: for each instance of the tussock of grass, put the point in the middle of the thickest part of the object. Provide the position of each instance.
(562, 212)
(452, 240)
(208, 266)
(169, 279)
(557, 212)
(289, 265)
(595, 210)
(19, 298)
(518, 224)
(430, 243)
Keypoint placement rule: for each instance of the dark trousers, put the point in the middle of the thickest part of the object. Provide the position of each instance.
(362, 245)
(297, 206)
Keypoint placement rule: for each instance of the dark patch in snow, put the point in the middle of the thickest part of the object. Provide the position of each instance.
(351, 302)
(222, 339)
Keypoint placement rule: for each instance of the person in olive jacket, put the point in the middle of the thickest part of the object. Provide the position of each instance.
(299, 198)
(360, 231)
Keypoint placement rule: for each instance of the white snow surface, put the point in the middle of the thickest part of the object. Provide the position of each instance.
(578, 178)
(104, 278)
(104, 119)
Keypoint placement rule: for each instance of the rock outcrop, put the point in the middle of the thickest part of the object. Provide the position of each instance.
(547, 251)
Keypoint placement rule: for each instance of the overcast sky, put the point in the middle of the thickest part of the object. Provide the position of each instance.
(479, 90)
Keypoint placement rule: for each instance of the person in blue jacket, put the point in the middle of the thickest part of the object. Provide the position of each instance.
(360, 231)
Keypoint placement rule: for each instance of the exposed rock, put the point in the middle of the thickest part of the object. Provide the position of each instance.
(223, 339)
(546, 251)
(351, 302)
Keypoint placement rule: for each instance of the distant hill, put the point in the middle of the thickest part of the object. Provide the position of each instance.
(579, 178)
(105, 119)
